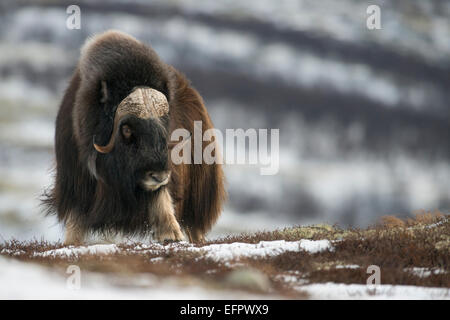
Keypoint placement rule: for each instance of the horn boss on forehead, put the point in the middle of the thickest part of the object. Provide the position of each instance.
(143, 103)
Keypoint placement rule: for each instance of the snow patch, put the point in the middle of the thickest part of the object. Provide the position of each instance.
(424, 272)
(359, 291)
(348, 266)
(238, 250)
(98, 249)
(216, 252)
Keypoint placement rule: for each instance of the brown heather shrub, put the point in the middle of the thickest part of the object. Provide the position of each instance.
(391, 222)
(426, 217)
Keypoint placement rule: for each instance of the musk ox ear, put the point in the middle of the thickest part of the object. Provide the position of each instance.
(106, 119)
(104, 92)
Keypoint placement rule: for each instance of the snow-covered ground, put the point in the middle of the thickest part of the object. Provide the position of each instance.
(217, 252)
(340, 291)
(19, 280)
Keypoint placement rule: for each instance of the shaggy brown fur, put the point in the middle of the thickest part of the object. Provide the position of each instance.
(92, 194)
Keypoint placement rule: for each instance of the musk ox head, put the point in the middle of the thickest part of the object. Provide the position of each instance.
(136, 152)
(137, 148)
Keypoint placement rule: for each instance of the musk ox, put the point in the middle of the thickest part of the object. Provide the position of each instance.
(113, 173)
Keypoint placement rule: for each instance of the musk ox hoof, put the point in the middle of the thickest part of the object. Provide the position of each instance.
(167, 242)
(75, 235)
(169, 236)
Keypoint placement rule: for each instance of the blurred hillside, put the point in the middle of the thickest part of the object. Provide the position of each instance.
(363, 115)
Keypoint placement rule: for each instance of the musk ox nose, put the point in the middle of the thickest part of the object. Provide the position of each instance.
(159, 177)
(153, 180)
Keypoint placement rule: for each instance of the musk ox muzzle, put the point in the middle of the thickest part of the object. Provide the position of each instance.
(143, 103)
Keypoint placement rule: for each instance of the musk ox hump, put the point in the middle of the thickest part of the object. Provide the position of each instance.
(101, 52)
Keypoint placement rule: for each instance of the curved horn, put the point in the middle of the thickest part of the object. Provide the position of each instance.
(144, 103)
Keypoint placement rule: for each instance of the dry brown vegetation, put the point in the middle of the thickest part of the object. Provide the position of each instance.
(395, 245)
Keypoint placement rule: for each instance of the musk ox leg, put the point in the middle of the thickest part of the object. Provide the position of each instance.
(195, 235)
(162, 216)
(75, 235)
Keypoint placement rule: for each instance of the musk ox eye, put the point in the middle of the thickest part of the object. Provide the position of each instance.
(126, 131)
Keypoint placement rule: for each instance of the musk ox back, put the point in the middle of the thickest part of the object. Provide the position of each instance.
(113, 168)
